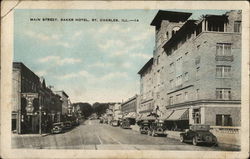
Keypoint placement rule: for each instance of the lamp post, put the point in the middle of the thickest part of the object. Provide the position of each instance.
(40, 120)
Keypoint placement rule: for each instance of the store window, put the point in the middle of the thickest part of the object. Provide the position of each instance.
(223, 120)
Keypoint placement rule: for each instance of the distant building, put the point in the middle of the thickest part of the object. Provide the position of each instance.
(66, 106)
(129, 107)
(196, 69)
(146, 104)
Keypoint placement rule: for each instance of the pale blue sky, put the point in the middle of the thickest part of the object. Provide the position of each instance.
(91, 61)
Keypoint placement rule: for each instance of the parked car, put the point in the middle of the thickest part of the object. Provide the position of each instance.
(125, 123)
(67, 125)
(144, 127)
(199, 134)
(115, 123)
(157, 128)
(57, 128)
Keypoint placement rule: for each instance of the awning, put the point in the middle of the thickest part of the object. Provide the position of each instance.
(166, 115)
(181, 114)
(146, 117)
(131, 115)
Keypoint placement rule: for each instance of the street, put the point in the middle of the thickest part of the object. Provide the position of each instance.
(91, 135)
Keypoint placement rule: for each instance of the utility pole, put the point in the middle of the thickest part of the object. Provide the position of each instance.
(40, 116)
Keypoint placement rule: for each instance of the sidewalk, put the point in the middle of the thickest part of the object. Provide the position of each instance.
(29, 135)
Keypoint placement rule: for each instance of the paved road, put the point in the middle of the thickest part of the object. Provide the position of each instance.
(94, 136)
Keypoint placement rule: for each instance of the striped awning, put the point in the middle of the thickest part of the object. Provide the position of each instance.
(131, 115)
(166, 115)
(181, 114)
(146, 117)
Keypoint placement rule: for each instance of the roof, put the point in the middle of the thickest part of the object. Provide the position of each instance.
(187, 27)
(171, 16)
(149, 63)
(216, 17)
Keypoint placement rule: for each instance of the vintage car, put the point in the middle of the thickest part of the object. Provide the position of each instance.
(125, 124)
(57, 128)
(115, 122)
(144, 127)
(198, 134)
(157, 128)
(67, 125)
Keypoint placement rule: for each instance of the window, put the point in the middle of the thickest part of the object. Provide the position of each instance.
(237, 26)
(223, 93)
(197, 93)
(171, 83)
(186, 53)
(158, 58)
(171, 67)
(223, 71)
(179, 80)
(223, 120)
(197, 73)
(171, 101)
(223, 49)
(178, 98)
(186, 76)
(197, 60)
(186, 96)
(167, 35)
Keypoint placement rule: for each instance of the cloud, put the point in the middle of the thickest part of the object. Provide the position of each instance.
(41, 73)
(110, 28)
(59, 60)
(76, 74)
(141, 55)
(51, 39)
(77, 34)
(111, 43)
(126, 65)
(114, 75)
(144, 36)
(101, 64)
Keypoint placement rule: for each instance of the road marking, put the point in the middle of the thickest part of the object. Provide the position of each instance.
(99, 139)
(115, 140)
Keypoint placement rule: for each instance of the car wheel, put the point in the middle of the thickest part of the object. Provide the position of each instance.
(153, 133)
(149, 133)
(194, 141)
(181, 138)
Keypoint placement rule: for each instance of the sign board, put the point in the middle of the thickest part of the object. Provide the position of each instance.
(29, 98)
(30, 95)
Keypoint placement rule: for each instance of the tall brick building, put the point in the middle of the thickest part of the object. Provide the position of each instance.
(196, 68)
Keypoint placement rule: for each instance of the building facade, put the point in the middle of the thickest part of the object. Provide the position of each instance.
(129, 107)
(30, 99)
(196, 68)
(66, 106)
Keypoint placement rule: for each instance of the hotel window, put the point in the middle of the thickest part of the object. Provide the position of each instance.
(171, 67)
(223, 71)
(223, 120)
(197, 93)
(158, 59)
(223, 93)
(178, 98)
(197, 73)
(186, 76)
(171, 100)
(179, 80)
(171, 83)
(237, 26)
(186, 96)
(223, 49)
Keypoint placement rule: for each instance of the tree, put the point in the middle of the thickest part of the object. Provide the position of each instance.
(100, 108)
(85, 108)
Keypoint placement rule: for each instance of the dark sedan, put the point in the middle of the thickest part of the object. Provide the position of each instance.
(198, 134)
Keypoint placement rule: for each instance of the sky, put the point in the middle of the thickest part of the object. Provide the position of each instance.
(92, 61)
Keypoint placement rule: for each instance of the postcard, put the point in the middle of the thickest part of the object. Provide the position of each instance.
(111, 79)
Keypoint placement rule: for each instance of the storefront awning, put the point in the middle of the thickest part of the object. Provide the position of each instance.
(131, 115)
(166, 115)
(181, 114)
(146, 117)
